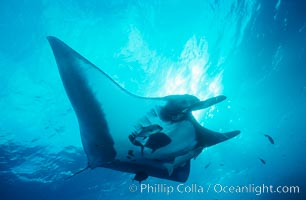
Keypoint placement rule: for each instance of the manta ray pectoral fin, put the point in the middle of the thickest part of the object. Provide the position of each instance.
(208, 138)
(82, 80)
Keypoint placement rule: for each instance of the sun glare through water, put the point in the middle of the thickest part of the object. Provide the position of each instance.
(187, 74)
(190, 76)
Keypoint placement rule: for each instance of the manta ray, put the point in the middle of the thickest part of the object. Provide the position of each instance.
(146, 136)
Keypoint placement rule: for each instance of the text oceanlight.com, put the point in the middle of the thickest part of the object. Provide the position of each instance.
(215, 188)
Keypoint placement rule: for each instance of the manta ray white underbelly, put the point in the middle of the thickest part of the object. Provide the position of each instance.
(121, 131)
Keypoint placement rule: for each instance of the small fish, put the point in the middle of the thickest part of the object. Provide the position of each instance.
(207, 165)
(262, 161)
(131, 153)
(221, 164)
(269, 138)
(34, 140)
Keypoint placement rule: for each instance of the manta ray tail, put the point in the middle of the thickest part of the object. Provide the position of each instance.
(76, 173)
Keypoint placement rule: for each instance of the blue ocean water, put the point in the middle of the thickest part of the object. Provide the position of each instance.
(252, 51)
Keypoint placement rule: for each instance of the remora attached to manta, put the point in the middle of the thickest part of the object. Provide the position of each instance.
(119, 130)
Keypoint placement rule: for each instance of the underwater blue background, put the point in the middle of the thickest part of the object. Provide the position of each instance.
(252, 51)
